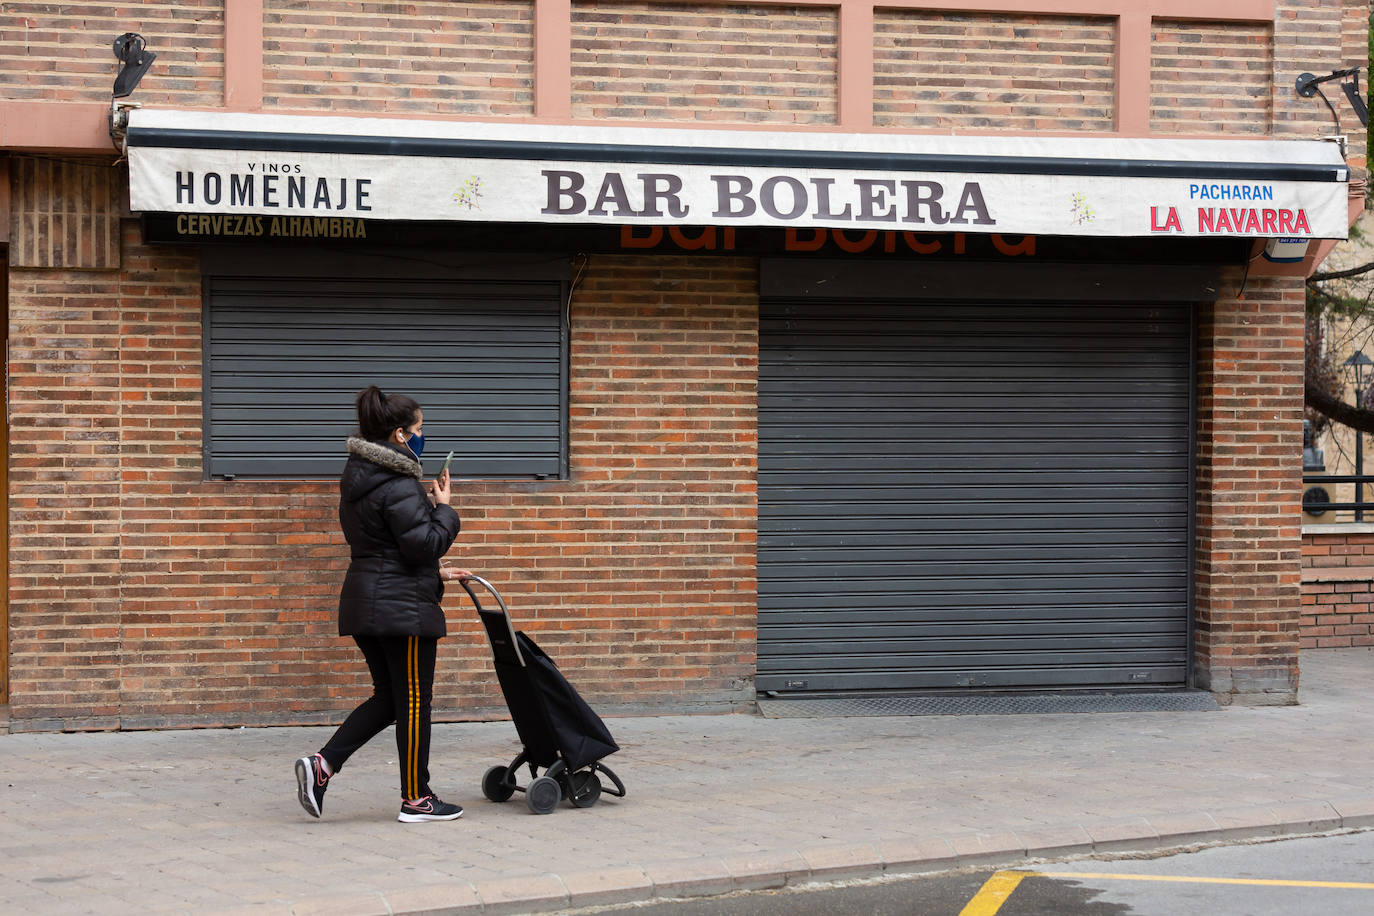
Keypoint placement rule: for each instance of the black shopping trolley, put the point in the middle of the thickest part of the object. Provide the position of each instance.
(560, 732)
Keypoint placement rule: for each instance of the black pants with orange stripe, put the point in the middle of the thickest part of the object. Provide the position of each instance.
(402, 690)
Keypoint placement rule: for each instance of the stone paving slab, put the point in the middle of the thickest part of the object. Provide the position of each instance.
(206, 821)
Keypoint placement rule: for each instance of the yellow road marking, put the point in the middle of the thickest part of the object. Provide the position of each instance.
(993, 893)
(1183, 879)
(998, 888)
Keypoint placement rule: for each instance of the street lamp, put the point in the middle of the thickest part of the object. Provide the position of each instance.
(1357, 364)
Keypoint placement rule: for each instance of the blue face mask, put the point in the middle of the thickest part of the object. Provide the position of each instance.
(416, 444)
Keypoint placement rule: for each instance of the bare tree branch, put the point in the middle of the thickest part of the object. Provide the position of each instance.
(1342, 274)
(1323, 294)
(1343, 413)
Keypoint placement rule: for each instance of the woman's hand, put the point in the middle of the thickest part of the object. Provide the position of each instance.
(442, 489)
(449, 573)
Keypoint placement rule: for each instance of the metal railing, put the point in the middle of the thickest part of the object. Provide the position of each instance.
(1316, 501)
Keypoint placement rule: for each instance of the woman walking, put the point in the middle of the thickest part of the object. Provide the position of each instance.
(397, 533)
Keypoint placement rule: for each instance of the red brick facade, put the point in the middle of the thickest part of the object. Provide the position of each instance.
(1249, 425)
(989, 71)
(1211, 76)
(64, 51)
(762, 64)
(1337, 587)
(143, 595)
(363, 57)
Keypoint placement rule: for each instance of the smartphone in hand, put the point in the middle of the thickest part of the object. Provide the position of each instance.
(444, 470)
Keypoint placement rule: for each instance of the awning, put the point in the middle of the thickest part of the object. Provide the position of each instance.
(383, 169)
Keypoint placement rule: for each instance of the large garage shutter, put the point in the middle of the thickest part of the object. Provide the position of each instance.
(286, 356)
(973, 494)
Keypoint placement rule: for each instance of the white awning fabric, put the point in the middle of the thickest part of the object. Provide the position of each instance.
(384, 169)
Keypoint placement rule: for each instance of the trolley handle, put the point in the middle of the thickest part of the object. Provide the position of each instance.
(488, 586)
(500, 633)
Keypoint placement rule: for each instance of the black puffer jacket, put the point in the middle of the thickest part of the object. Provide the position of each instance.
(396, 537)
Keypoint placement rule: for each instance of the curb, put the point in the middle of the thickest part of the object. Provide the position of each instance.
(763, 870)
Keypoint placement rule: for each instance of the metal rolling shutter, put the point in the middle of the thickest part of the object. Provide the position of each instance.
(973, 494)
(285, 358)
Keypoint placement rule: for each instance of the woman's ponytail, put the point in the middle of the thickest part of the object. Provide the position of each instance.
(379, 414)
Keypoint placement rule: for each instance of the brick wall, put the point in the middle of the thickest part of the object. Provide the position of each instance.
(1318, 36)
(1337, 587)
(65, 212)
(1211, 77)
(143, 595)
(470, 58)
(983, 71)
(1355, 53)
(675, 61)
(139, 594)
(727, 63)
(1249, 483)
(64, 493)
(1308, 39)
(639, 572)
(224, 588)
(64, 51)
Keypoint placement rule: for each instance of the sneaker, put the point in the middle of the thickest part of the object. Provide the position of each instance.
(312, 780)
(428, 808)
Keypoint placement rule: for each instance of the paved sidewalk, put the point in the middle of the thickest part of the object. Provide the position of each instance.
(207, 821)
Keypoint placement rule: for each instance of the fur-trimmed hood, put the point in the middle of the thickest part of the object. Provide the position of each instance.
(387, 457)
(374, 464)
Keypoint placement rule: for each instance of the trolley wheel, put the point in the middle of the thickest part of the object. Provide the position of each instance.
(494, 785)
(543, 795)
(586, 789)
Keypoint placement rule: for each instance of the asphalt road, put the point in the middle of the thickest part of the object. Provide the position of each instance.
(1328, 874)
